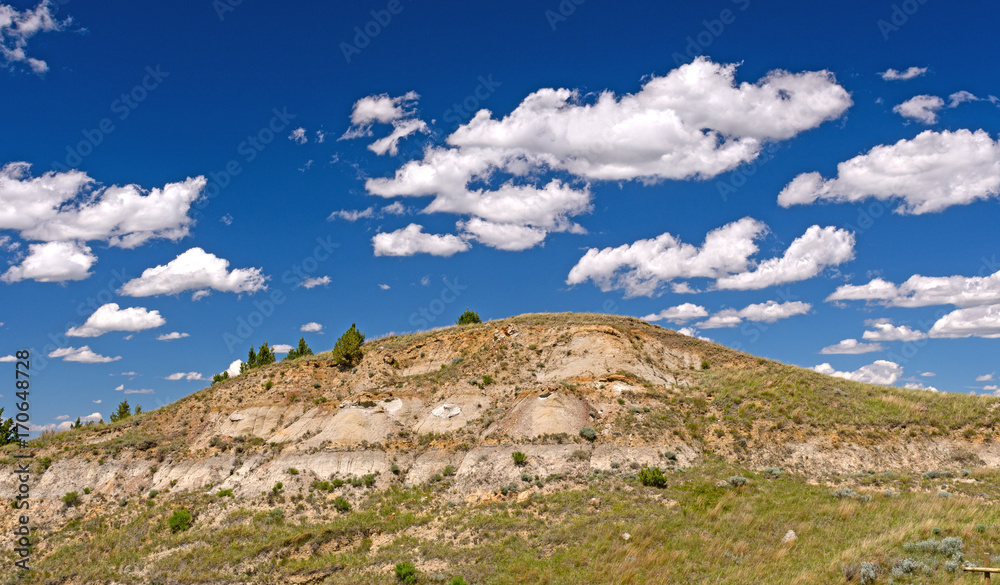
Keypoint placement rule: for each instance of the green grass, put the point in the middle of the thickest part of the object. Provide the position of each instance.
(691, 530)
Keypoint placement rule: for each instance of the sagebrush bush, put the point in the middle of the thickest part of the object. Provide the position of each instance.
(652, 477)
(588, 433)
(737, 481)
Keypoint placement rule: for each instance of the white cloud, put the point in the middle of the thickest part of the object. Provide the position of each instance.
(7, 358)
(62, 417)
(384, 286)
(68, 206)
(234, 368)
(315, 281)
(642, 267)
(769, 312)
(985, 377)
(695, 122)
(172, 335)
(851, 346)
(378, 108)
(890, 332)
(226, 219)
(400, 130)
(111, 317)
(353, 215)
(312, 327)
(928, 374)
(320, 136)
(929, 173)
(689, 332)
(98, 401)
(893, 75)
(120, 388)
(806, 257)
(679, 314)
(185, 376)
(882, 372)
(281, 348)
(981, 321)
(412, 240)
(919, 386)
(53, 262)
(298, 136)
(396, 208)
(960, 97)
(127, 374)
(81, 354)
(194, 269)
(140, 391)
(16, 27)
(922, 108)
(502, 236)
(922, 291)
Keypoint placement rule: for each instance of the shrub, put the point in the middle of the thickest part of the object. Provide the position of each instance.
(588, 433)
(469, 317)
(277, 487)
(652, 477)
(704, 365)
(347, 351)
(293, 471)
(980, 528)
(394, 468)
(341, 504)
(275, 516)
(844, 493)
(179, 521)
(269, 385)
(526, 477)
(487, 380)
(71, 499)
(737, 481)
(519, 458)
(449, 470)
(773, 471)
(220, 377)
(224, 494)
(406, 573)
(86, 490)
(868, 573)
(457, 581)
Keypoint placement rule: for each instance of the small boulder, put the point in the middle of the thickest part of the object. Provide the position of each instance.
(789, 536)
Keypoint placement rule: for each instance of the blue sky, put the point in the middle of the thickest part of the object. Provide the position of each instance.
(811, 183)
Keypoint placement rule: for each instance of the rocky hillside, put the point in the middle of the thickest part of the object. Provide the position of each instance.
(575, 393)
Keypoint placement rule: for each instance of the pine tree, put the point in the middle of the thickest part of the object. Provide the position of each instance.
(265, 356)
(301, 350)
(8, 430)
(469, 317)
(221, 377)
(251, 361)
(123, 412)
(347, 351)
(77, 424)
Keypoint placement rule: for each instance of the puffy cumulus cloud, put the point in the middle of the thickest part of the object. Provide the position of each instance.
(806, 257)
(851, 346)
(985, 377)
(922, 108)
(193, 270)
(17, 26)
(679, 314)
(172, 336)
(890, 332)
(400, 130)
(185, 376)
(298, 136)
(642, 267)
(281, 348)
(397, 111)
(412, 240)
(234, 368)
(923, 291)
(311, 327)
(315, 281)
(893, 75)
(111, 317)
(379, 108)
(53, 262)
(503, 236)
(384, 286)
(689, 332)
(7, 358)
(68, 206)
(882, 372)
(981, 321)
(928, 173)
(919, 386)
(769, 312)
(81, 354)
(696, 121)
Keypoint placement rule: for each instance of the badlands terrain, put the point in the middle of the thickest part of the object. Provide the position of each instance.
(542, 448)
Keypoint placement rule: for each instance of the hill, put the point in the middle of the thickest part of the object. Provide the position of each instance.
(301, 472)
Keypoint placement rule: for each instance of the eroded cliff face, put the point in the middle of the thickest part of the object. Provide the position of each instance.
(456, 401)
